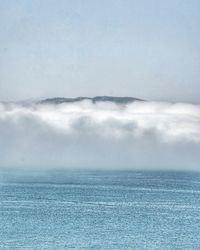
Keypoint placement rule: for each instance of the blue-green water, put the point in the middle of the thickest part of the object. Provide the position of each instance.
(99, 210)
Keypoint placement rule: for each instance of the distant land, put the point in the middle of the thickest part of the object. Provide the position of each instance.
(118, 100)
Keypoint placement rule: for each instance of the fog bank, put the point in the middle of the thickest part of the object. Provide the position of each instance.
(103, 135)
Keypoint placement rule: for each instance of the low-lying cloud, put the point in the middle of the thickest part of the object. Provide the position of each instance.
(140, 135)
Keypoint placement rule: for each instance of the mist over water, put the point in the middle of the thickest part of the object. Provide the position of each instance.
(55, 194)
(103, 135)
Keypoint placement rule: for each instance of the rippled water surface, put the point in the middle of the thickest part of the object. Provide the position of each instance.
(99, 210)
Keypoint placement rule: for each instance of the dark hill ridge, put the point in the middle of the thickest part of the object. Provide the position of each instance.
(118, 100)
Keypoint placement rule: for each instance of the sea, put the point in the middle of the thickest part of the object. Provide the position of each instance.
(63, 209)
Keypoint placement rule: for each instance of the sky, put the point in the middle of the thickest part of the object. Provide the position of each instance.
(145, 49)
(68, 48)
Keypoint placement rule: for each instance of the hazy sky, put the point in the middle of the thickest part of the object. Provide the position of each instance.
(146, 48)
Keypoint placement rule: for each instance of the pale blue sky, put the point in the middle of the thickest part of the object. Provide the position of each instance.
(146, 48)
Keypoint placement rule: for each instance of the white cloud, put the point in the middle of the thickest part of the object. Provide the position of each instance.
(102, 135)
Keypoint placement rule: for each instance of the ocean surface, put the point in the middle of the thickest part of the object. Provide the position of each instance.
(99, 210)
